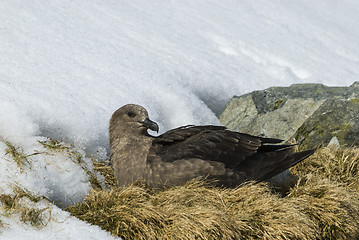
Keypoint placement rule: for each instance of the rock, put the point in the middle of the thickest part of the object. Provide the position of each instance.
(355, 84)
(312, 114)
(334, 143)
(335, 118)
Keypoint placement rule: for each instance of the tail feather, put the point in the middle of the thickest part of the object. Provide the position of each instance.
(271, 147)
(282, 164)
(300, 156)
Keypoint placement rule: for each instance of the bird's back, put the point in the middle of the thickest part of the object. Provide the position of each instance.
(239, 157)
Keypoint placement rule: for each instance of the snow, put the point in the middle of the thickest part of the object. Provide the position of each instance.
(65, 66)
(64, 228)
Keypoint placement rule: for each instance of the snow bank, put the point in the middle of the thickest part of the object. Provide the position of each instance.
(66, 66)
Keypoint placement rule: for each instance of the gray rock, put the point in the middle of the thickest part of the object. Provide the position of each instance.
(310, 113)
(334, 143)
(355, 84)
(335, 118)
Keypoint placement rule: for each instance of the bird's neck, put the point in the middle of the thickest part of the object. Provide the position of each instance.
(128, 156)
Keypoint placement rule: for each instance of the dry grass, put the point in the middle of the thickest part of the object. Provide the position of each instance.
(338, 165)
(194, 211)
(18, 155)
(322, 204)
(107, 172)
(11, 204)
(331, 206)
(55, 145)
(331, 181)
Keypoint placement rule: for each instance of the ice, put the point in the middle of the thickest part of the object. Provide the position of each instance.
(66, 66)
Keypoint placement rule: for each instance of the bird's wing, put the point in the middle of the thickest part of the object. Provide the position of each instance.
(210, 143)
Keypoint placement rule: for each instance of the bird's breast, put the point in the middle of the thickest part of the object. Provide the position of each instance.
(128, 158)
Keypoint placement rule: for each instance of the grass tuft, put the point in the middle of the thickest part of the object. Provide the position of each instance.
(12, 205)
(17, 155)
(332, 207)
(107, 172)
(21, 192)
(338, 165)
(54, 145)
(33, 216)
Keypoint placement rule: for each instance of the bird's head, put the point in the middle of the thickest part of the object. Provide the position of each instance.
(132, 117)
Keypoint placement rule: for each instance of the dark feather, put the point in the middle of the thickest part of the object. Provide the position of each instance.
(257, 158)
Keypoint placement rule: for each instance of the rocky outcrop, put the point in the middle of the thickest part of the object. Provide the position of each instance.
(312, 114)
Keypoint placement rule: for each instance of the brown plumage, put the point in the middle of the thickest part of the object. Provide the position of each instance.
(188, 152)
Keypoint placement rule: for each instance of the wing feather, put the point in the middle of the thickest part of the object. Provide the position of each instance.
(210, 143)
(211, 150)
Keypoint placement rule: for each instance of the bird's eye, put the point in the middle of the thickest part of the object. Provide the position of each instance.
(131, 114)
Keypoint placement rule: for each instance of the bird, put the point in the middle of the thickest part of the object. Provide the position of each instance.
(207, 152)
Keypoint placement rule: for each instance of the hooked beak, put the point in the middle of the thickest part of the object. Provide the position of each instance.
(150, 124)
